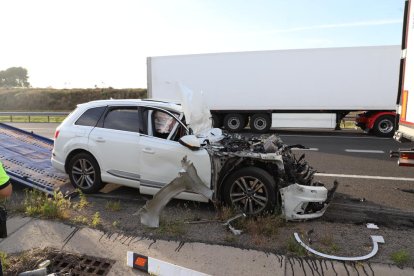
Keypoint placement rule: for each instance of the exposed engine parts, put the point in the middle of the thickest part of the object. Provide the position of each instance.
(254, 175)
(301, 196)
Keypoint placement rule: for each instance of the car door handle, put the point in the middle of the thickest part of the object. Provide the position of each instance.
(148, 150)
(100, 140)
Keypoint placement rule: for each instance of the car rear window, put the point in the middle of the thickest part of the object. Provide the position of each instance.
(91, 116)
(122, 119)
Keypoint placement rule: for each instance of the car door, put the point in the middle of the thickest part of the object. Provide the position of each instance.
(161, 153)
(115, 144)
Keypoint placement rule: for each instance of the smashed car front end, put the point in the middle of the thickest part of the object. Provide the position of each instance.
(301, 197)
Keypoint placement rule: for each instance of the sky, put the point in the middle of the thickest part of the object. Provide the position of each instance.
(105, 43)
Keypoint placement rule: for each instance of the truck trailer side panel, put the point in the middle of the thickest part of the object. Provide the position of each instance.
(357, 78)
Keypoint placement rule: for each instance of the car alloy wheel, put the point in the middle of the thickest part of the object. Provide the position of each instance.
(83, 173)
(251, 190)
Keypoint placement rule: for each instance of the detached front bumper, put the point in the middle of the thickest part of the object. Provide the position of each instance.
(300, 202)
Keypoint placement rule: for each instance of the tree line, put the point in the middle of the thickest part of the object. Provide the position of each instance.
(14, 77)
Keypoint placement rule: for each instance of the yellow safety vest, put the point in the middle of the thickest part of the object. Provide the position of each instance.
(4, 178)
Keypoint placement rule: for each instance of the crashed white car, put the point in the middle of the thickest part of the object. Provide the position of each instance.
(141, 143)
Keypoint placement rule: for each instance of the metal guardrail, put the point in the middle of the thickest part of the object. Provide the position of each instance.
(12, 114)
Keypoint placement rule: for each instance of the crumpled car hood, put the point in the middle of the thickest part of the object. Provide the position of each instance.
(196, 111)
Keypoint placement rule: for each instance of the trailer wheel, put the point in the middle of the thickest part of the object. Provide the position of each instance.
(384, 126)
(217, 120)
(252, 190)
(260, 123)
(234, 122)
(84, 173)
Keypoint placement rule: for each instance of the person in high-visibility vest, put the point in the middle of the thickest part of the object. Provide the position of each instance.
(5, 185)
(5, 191)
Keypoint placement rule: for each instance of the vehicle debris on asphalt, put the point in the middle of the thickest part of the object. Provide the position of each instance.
(232, 229)
(372, 226)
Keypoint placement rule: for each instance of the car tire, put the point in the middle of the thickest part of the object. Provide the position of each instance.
(234, 122)
(260, 123)
(251, 190)
(384, 126)
(85, 174)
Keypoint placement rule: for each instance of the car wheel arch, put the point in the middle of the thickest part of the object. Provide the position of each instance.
(262, 165)
(74, 153)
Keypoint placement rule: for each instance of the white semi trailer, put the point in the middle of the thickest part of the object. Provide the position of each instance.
(308, 88)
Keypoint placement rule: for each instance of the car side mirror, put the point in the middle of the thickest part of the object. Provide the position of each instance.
(190, 141)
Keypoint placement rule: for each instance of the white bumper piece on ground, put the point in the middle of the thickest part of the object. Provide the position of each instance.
(300, 202)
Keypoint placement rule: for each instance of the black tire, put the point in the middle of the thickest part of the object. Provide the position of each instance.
(384, 126)
(234, 122)
(85, 174)
(217, 120)
(252, 190)
(260, 123)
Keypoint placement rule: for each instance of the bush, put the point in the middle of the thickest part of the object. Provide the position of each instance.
(37, 203)
(60, 99)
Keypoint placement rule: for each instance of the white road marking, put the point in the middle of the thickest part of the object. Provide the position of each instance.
(364, 151)
(308, 149)
(326, 136)
(366, 176)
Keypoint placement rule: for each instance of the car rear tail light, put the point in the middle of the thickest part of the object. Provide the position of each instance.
(56, 134)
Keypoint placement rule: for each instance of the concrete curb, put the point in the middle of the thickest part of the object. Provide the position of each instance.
(28, 233)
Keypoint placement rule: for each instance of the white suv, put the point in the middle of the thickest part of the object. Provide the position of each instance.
(136, 143)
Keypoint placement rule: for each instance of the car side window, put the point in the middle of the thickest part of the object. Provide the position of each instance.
(122, 118)
(162, 125)
(91, 116)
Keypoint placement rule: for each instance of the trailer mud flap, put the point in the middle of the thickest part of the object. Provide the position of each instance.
(26, 159)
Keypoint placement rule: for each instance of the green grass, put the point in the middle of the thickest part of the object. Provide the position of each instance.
(295, 248)
(83, 202)
(329, 246)
(4, 260)
(113, 206)
(400, 257)
(37, 203)
(172, 228)
(115, 224)
(80, 219)
(96, 220)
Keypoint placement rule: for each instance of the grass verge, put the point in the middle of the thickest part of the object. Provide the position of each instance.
(400, 257)
(37, 203)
